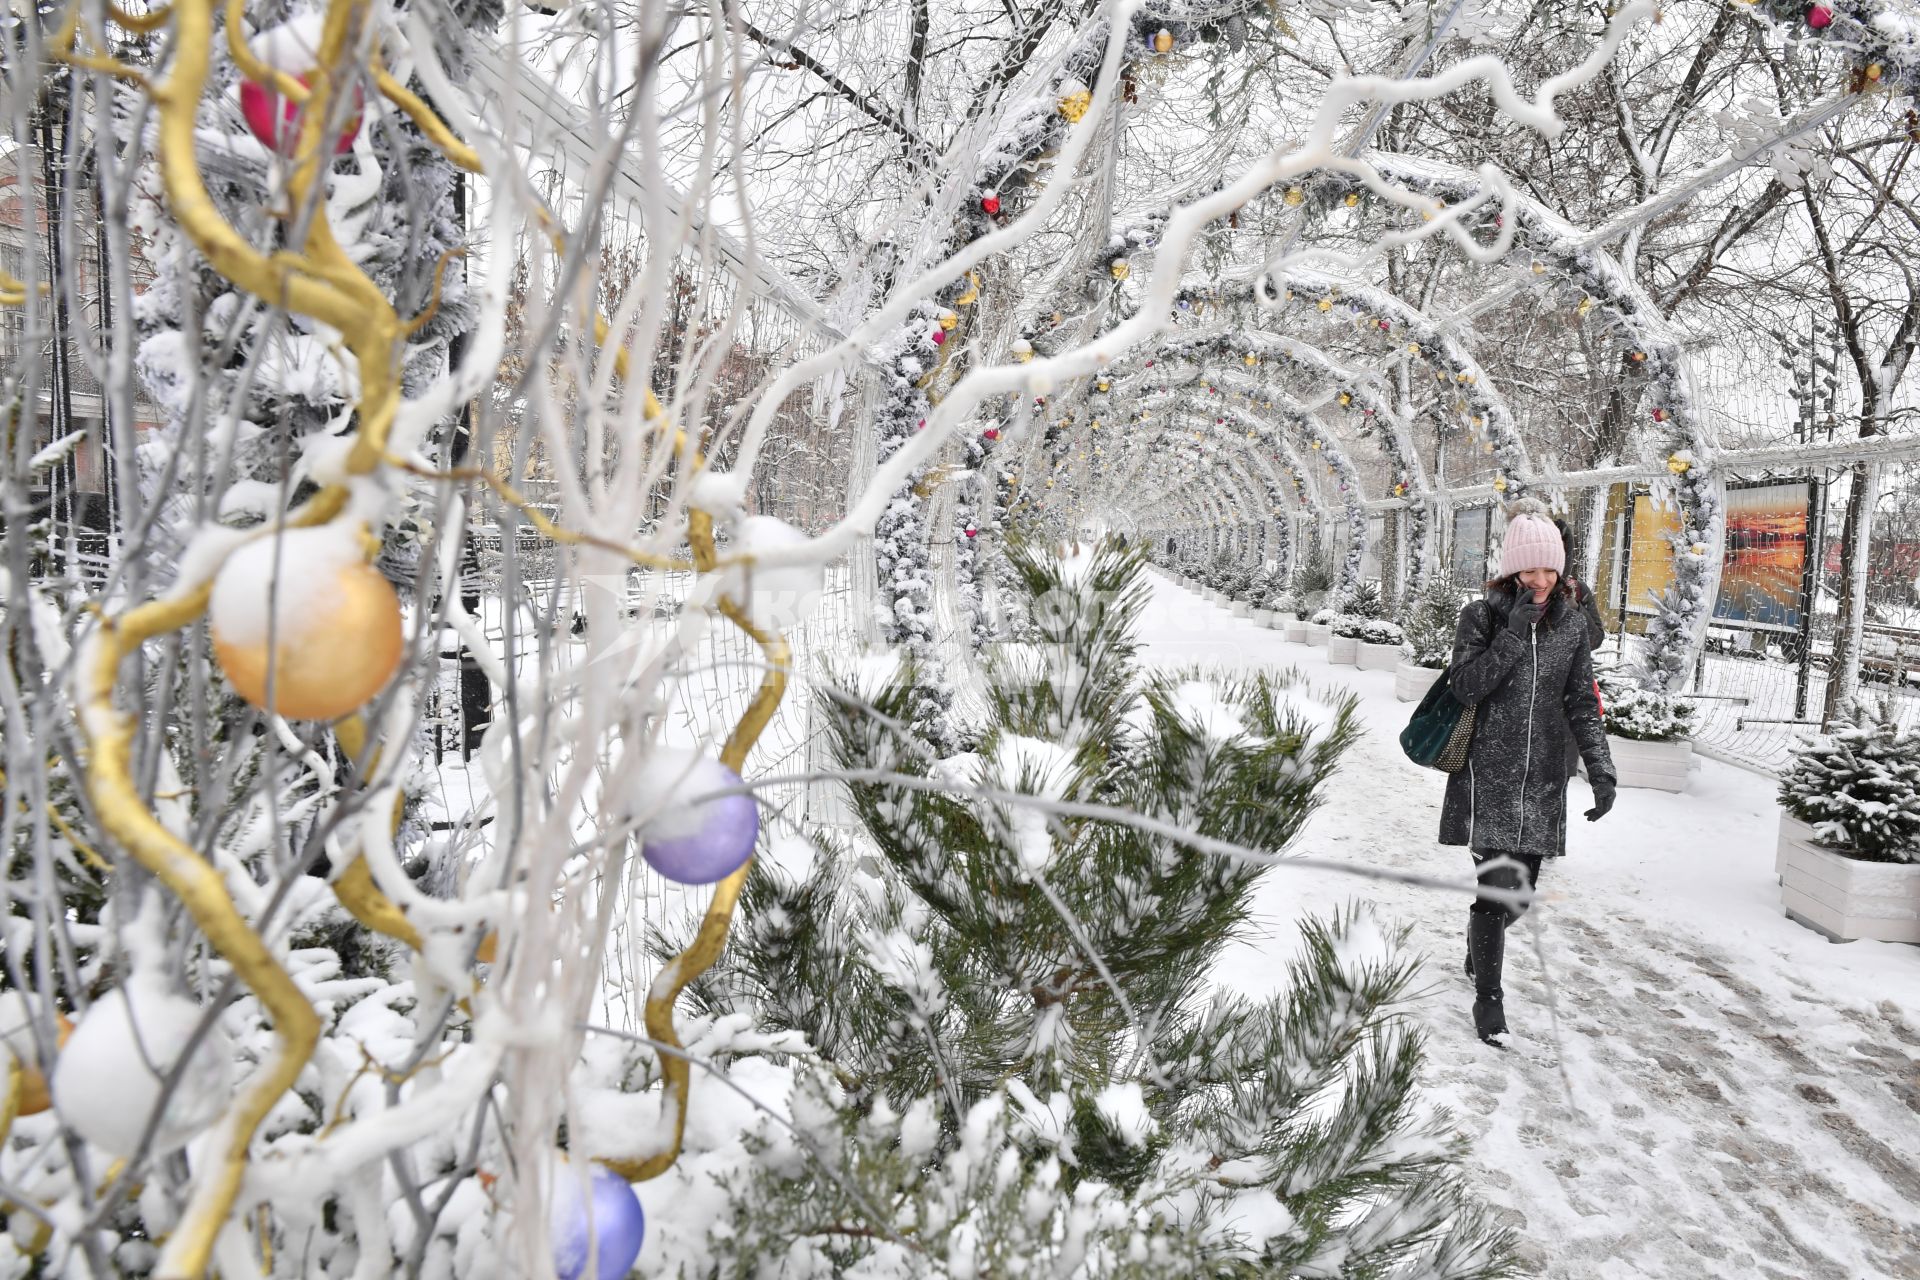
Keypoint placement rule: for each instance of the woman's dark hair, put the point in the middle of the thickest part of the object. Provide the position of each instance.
(1512, 583)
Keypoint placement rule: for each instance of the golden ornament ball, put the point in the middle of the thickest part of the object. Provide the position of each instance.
(337, 638)
(1163, 41)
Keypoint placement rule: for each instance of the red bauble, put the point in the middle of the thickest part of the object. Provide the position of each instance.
(990, 205)
(1386, 324)
(1149, 364)
(276, 120)
(920, 425)
(991, 433)
(1659, 415)
(1820, 17)
(939, 337)
(972, 532)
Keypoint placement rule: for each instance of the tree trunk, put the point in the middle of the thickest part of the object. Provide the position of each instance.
(1856, 542)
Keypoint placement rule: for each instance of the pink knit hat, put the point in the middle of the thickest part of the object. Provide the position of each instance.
(1531, 541)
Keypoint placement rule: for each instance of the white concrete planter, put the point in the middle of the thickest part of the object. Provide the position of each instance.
(1241, 609)
(1295, 630)
(1217, 598)
(1793, 833)
(1318, 634)
(1845, 898)
(1263, 617)
(1343, 650)
(1280, 621)
(1379, 657)
(1410, 683)
(1659, 765)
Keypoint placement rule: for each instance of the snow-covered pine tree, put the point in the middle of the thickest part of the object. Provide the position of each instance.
(279, 389)
(1858, 786)
(1311, 582)
(1431, 619)
(1018, 1058)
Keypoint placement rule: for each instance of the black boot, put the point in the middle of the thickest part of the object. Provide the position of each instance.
(1486, 952)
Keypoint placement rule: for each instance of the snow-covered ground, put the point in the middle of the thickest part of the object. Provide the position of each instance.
(1723, 1093)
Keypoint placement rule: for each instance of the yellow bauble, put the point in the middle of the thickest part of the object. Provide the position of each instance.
(1353, 198)
(1295, 197)
(1499, 484)
(1163, 41)
(1119, 268)
(334, 624)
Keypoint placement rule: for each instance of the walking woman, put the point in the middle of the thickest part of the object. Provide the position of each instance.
(1520, 655)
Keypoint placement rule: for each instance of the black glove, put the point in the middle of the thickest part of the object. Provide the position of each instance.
(1603, 793)
(1524, 615)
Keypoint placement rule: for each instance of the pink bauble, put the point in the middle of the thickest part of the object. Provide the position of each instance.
(939, 337)
(1820, 17)
(276, 120)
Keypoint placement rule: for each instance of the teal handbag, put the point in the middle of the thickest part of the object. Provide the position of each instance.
(1441, 730)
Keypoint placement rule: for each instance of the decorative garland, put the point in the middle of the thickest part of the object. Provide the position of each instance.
(910, 358)
(1355, 395)
(1331, 455)
(1551, 256)
(1475, 408)
(1882, 36)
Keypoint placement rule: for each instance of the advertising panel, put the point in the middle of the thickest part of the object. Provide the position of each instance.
(1764, 572)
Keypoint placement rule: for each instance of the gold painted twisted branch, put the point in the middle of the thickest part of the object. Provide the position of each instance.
(319, 281)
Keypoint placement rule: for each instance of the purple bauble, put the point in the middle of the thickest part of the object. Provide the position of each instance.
(616, 1228)
(688, 842)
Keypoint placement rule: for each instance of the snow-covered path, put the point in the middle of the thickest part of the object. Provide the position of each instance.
(1745, 1096)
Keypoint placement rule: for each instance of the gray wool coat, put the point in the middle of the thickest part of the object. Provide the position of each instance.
(1535, 698)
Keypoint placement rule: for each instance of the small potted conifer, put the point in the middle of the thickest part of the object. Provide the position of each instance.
(1849, 848)
(1381, 644)
(1320, 627)
(1310, 586)
(1260, 592)
(1240, 588)
(1649, 733)
(1343, 639)
(1286, 608)
(1431, 619)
